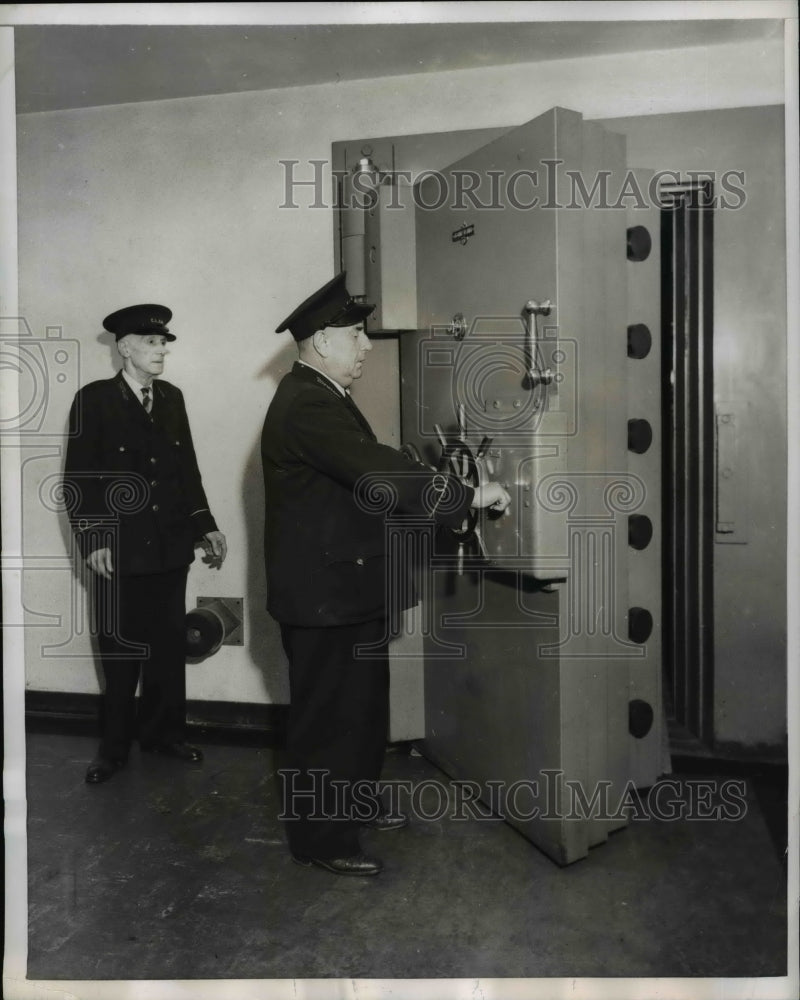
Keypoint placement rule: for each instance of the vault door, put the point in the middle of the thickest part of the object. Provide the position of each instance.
(517, 372)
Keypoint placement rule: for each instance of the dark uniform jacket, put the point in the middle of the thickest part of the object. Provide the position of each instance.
(132, 481)
(325, 543)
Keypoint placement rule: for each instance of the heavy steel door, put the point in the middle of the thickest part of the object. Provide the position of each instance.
(518, 372)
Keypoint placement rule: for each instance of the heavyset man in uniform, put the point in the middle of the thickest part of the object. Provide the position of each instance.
(327, 578)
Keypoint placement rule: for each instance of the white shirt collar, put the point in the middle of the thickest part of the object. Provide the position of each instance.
(136, 386)
(341, 389)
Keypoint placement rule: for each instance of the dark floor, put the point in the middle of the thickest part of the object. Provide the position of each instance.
(174, 871)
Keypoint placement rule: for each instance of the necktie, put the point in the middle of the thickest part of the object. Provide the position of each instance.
(147, 401)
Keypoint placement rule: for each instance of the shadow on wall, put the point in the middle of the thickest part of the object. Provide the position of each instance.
(263, 632)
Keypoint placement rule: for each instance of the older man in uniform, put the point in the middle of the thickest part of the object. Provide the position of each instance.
(137, 508)
(326, 565)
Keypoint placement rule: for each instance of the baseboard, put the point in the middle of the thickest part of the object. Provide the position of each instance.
(691, 753)
(207, 721)
(773, 770)
(251, 724)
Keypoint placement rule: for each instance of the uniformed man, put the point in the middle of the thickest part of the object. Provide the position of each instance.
(138, 509)
(326, 564)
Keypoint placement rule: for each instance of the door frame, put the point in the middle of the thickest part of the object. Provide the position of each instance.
(688, 456)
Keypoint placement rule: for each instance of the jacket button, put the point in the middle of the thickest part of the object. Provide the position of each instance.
(122, 447)
(360, 561)
(155, 506)
(154, 482)
(152, 461)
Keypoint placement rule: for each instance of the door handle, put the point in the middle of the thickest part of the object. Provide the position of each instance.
(534, 309)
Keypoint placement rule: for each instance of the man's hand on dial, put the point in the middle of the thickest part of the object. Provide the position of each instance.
(491, 495)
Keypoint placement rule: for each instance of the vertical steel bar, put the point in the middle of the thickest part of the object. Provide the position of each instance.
(667, 452)
(679, 471)
(692, 445)
(707, 389)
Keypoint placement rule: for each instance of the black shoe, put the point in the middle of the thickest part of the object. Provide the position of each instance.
(102, 768)
(357, 864)
(387, 821)
(181, 751)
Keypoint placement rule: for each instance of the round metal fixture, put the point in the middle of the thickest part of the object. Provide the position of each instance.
(640, 531)
(640, 624)
(639, 341)
(640, 436)
(640, 718)
(639, 243)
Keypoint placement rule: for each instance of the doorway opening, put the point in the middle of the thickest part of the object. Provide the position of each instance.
(687, 397)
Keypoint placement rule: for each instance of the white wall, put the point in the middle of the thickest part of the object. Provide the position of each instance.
(178, 202)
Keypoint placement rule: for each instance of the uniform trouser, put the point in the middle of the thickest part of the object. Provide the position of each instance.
(141, 631)
(336, 735)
